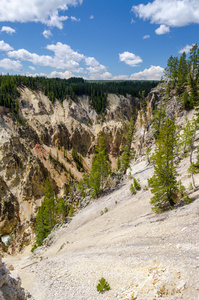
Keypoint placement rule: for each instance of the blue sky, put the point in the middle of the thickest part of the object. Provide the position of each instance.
(95, 39)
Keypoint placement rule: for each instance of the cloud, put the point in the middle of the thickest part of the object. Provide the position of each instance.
(8, 30)
(9, 64)
(130, 58)
(96, 70)
(162, 30)
(74, 19)
(46, 12)
(91, 17)
(186, 49)
(120, 77)
(174, 13)
(32, 68)
(47, 34)
(64, 57)
(4, 46)
(132, 21)
(63, 75)
(146, 37)
(153, 73)
(91, 61)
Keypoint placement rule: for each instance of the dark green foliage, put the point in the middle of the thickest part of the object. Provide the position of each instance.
(187, 102)
(184, 74)
(103, 285)
(100, 169)
(45, 220)
(132, 189)
(163, 184)
(61, 209)
(158, 120)
(128, 153)
(71, 211)
(78, 160)
(49, 213)
(136, 184)
(171, 71)
(81, 187)
(60, 89)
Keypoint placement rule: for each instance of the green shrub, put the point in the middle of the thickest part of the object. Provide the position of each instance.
(71, 212)
(136, 184)
(145, 188)
(103, 285)
(132, 189)
(130, 175)
(33, 248)
(105, 210)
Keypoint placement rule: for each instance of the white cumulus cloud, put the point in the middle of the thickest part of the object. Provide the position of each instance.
(32, 68)
(62, 75)
(64, 57)
(46, 11)
(186, 49)
(130, 58)
(9, 64)
(8, 30)
(162, 29)
(153, 73)
(47, 33)
(74, 19)
(174, 13)
(5, 47)
(147, 36)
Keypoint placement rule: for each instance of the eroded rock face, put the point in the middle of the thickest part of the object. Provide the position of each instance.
(9, 209)
(41, 146)
(10, 285)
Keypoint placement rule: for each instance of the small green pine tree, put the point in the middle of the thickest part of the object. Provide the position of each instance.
(103, 285)
(132, 189)
(163, 184)
(100, 169)
(128, 153)
(136, 184)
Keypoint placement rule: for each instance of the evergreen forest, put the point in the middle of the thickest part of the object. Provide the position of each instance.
(60, 89)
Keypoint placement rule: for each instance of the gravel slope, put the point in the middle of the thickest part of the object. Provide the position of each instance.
(140, 254)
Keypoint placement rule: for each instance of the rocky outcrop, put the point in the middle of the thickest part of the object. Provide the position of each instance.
(156, 99)
(10, 285)
(9, 209)
(38, 144)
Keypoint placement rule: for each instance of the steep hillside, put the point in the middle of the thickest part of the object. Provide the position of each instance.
(38, 144)
(142, 255)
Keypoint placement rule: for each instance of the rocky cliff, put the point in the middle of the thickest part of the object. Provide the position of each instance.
(38, 144)
(10, 285)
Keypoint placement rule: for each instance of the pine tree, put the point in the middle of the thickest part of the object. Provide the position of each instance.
(194, 62)
(100, 169)
(45, 219)
(163, 184)
(158, 119)
(182, 73)
(171, 71)
(128, 153)
(50, 203)
(188, 139)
